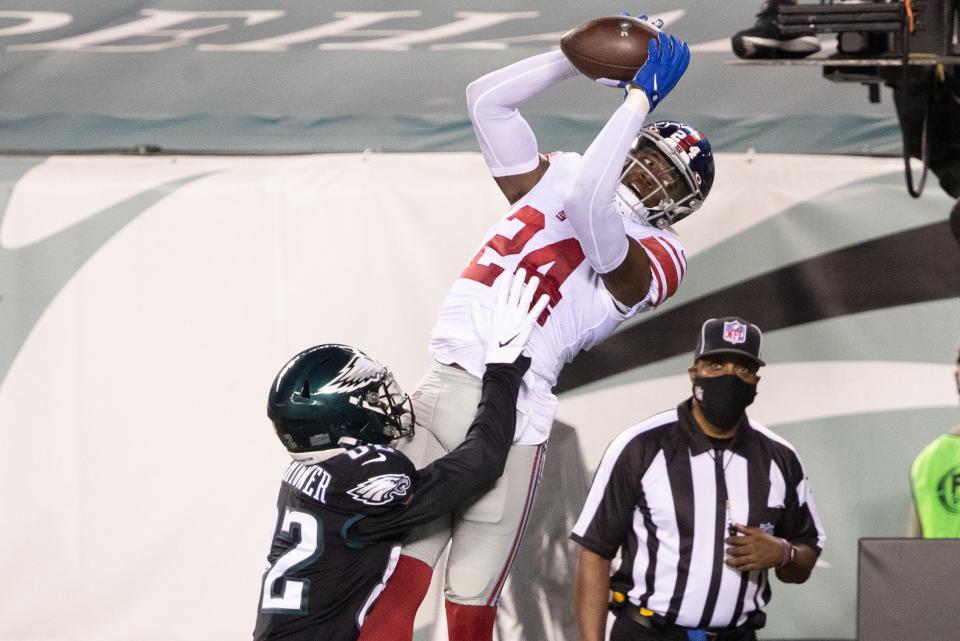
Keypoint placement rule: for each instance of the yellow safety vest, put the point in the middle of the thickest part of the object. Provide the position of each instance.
(935, 477)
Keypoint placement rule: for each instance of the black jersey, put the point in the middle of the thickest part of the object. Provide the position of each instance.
(340, 522)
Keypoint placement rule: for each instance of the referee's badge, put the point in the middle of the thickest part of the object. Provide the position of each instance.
(734, 332)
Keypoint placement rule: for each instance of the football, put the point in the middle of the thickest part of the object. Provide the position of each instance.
(613, 47)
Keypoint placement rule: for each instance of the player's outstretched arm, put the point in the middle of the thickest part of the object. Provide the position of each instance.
(478, 462)
(507, 142)
(621, 261)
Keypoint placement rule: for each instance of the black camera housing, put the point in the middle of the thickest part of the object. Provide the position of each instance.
(881, 29)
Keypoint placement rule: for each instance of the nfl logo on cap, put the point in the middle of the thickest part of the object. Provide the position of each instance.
(730, 335)
(734, 332)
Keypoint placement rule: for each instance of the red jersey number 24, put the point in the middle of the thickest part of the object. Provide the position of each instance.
(563, 257)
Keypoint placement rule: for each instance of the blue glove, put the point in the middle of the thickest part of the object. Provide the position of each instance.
(667, 59)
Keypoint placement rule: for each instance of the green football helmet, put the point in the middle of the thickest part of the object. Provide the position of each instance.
(332, 392)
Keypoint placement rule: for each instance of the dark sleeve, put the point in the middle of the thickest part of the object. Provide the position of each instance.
(607, 514)
(472, 466)
(800, 523)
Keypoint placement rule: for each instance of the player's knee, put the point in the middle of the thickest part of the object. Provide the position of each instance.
(466, 582)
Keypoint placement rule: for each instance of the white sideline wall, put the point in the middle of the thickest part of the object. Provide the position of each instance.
(138, 471)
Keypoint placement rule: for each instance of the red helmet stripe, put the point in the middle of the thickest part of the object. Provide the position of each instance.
(689, 140)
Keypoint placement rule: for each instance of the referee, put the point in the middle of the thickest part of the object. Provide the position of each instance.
(700, 501)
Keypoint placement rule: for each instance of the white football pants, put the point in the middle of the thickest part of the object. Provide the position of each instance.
(486, 532)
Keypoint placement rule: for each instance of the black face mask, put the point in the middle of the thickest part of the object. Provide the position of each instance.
(723, 398)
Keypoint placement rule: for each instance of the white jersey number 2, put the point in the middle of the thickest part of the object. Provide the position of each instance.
(292, 595)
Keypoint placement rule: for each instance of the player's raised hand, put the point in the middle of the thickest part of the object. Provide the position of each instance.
(505, 331)
(667, 59)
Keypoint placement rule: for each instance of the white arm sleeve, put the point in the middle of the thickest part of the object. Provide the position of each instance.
(590, 204)
(506, 140)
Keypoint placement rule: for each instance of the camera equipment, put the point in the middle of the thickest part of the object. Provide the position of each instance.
(871, 35)
(911, 45)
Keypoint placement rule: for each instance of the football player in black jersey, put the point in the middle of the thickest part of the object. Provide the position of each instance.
(348, 498)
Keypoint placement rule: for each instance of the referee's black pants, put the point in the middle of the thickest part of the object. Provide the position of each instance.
(626, 630)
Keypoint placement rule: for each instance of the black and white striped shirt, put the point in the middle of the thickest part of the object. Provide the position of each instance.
(664, 497)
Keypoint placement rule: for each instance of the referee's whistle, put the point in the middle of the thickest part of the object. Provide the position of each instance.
(731, 526)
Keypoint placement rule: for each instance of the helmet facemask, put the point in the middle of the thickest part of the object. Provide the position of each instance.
(664, 187)
(388, 399)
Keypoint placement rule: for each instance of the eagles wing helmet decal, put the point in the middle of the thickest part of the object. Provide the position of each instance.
(380, 490)
(359, 372)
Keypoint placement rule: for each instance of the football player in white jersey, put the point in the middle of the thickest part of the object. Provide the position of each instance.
(596, 229)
